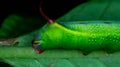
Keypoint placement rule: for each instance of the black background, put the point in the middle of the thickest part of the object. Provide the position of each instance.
(53, 8)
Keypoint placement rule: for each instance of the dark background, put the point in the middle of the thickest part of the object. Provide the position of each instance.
(52, 8)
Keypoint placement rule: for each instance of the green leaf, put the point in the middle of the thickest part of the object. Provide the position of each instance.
(92, 10)
(77, 62)
(16, 25)
(23, 62)
(55, 62)
(63, 62)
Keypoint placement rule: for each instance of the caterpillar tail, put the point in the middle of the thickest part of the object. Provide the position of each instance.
(35, 44)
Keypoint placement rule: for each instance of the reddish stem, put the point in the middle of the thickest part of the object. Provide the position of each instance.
(45, 16)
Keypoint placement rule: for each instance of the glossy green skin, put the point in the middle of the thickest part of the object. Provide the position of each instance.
(86, 36)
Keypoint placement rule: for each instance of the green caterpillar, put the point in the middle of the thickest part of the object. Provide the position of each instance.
(86, 36)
